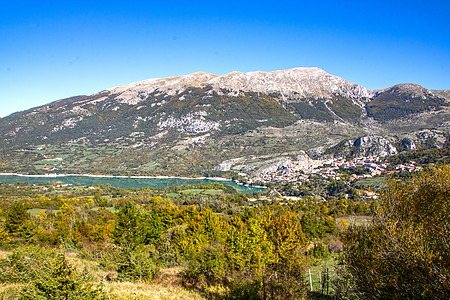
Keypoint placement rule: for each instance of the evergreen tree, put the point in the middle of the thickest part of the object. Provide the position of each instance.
(16, 217)
(62, 281)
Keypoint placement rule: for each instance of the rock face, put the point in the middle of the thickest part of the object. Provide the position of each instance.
(298, 83)
(385, 146)
(295, 83)
(199, 122)
(374, 146)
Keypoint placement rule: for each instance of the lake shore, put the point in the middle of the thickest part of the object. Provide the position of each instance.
(114, 176)
(125, 181)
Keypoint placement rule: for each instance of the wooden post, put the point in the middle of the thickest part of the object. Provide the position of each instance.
(320, 283)
(328, 279)
(310, 280)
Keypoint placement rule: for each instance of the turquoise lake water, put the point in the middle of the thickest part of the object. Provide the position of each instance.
(123, 182)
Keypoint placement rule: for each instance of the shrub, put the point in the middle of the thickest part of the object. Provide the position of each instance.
(62, 281)
(404, 252)
(320, 251)
(137, 264)
(209, 266)
(16, 217)
(47, 275)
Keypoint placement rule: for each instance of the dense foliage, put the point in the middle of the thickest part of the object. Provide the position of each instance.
(226, 246)
(404, 253)
(47, 274)
(258, 251)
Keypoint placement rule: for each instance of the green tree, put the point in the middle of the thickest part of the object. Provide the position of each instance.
(46, 274)
(62, 281)
(126, 232)
(404, 253)
(135, 261)
(312, 226)
(16, 217)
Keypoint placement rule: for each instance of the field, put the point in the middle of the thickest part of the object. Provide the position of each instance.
(376, 182)
(356, 220)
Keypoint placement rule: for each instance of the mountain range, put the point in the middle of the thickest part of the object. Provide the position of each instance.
(203, 124)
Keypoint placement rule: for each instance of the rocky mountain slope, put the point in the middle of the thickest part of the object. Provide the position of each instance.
(196, 124)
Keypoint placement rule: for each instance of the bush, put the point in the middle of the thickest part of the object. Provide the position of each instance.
(404, 252)
(25, 264)
(62, 281)
(137, 264)
(320, 251)
(47, 275)
(209, 266)
(16, 217)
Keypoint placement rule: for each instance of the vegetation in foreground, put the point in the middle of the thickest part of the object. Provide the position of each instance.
(404, 252)
(130, 243)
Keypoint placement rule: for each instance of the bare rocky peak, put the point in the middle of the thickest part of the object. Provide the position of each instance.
(292, 83)
(131, 93)
(297, 82)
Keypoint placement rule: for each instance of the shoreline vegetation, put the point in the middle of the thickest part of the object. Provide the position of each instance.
(213, 179)
(119, 176)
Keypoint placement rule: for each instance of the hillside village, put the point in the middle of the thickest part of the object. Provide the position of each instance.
(301, 171)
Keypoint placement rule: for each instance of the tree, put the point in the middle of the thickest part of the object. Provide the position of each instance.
(62, 281)
(46, 274)
(126, 232)
(404, 253)
(16, 217)
(135, 261)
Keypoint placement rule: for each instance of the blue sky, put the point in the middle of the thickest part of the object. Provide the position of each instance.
(56, 49)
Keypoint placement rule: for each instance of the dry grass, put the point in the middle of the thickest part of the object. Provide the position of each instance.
(10, 291)
(123, 291)
(166, 286)
(131, 290)
(4, 254)
(357, 220)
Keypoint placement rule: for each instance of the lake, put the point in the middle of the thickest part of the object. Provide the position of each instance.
(123, 182)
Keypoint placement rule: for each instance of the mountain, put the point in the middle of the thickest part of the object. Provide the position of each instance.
(204, 124)
(402, 100)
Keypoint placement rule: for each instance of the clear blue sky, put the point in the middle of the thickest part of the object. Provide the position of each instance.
(56, 49)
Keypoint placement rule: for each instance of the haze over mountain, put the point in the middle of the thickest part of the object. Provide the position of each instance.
(204, 124)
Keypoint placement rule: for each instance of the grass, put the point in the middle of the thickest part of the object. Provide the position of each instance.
(372, 182)
(9, 291)
(212, 192)
(110, 209)
(156, 290)
(201, 191)
(4, 254)
(173, 195)
(167, 286)
(192, 191)
(35, 211)
(124, 290)
(357, 220)
(318, 270)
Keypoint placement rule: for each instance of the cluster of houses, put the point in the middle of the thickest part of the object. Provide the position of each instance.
(296, 171)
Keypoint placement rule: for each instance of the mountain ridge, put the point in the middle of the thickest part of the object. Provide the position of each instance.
(179, 125)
